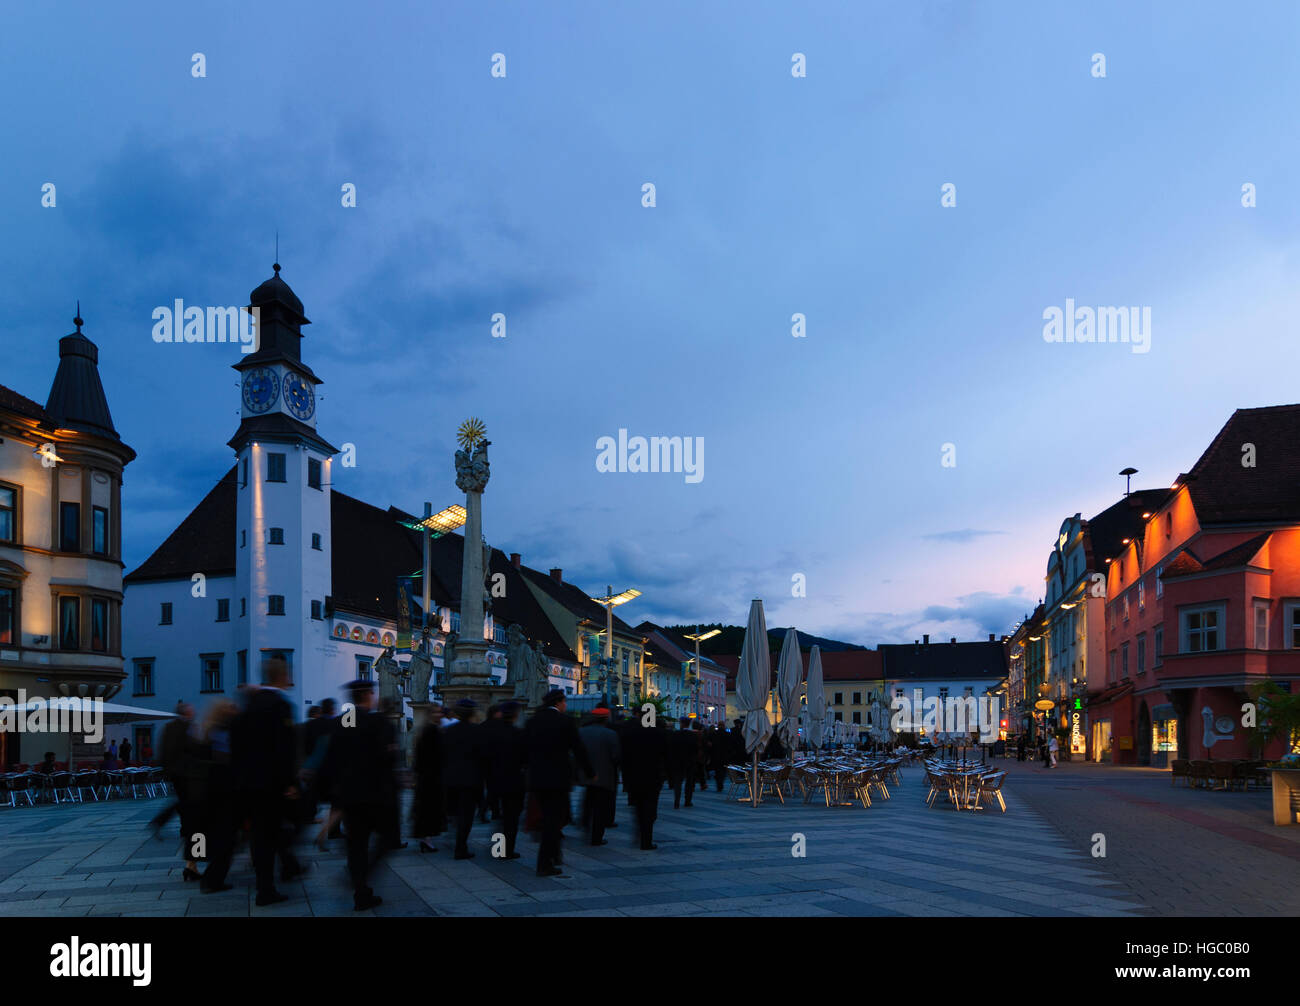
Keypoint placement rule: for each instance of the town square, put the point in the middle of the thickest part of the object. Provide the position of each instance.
(577, 461)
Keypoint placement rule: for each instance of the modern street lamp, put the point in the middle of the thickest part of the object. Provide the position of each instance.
(434, 525)
(609, 602)
(699, 637)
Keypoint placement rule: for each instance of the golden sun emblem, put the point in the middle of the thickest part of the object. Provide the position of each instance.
(470, 433)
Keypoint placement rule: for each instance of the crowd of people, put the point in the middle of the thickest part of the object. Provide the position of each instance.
(248, 769)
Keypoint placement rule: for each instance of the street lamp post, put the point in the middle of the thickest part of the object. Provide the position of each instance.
(609, 602)
(699, 637)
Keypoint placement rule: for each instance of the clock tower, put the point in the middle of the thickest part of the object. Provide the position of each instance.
(282, 471)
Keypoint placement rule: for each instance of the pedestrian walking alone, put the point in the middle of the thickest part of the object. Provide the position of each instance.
(552, 739)
(604, 751)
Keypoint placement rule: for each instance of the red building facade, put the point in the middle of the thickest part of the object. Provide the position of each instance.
(1205, 602)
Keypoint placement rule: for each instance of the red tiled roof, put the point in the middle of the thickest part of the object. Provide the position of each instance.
(1224, 491)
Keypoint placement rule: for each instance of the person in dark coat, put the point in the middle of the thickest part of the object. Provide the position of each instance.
(737, 753)
(213, 793)
(429, 809)
(506, 754)
(552, 738)
(605, 753)
(645, 763)
(463, 771)
(264, 749)
(360, 769)
(682, 752)
(718, 748)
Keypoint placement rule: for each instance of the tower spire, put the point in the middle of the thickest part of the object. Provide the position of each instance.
(77, 320)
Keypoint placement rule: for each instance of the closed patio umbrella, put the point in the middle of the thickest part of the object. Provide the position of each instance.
(753, 683)
(789, 680)
(816, 699)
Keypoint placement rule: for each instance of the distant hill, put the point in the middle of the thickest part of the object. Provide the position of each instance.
(732, 638)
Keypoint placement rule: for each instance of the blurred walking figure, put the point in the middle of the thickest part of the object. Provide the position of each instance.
(645, 760)
(552, 738)
(506, 754)
(1053, 748)
(213, 788)
(429, 809)
(264, 749)
(718, 748)
(360, 768)
(462, 772)
(124, 751)
(175, 752)
(604, 752)
(681, 752)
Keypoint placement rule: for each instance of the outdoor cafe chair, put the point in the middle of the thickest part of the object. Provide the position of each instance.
(738, 777)
(60, 787)
(1179, 768)
(990, 787)
(861, 786)
(1200, 774)
(138, 780)
(769, 781)
(86, 779)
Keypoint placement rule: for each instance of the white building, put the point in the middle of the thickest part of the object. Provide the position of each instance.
(276, 560)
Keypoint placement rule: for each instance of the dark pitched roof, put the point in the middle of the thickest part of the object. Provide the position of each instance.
(369, 551)
(276, 426)
(204, 542)
(1107, 531)
(77, 400)
(945, 660)
(14, 402)
(1223, 491)
(837, 665)
(575, 599)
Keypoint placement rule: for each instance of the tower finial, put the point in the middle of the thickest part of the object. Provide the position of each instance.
(276, 266)
(77, 320)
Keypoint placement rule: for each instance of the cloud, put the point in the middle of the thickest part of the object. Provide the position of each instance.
(960, 537)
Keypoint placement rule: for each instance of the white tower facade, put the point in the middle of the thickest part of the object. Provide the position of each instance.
(282, 547)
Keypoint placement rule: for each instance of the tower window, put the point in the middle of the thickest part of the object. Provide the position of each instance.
(70, 527)
(313, 473)
(243, 472)
(277, 536)
(315, 542)
(165, 615)
(315, 610)
(275, 604)
(243, 607)
(275, 468)
(99, 527)
(223, 609)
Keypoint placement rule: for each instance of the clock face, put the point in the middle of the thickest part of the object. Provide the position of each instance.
(261, 389)
(299, 396)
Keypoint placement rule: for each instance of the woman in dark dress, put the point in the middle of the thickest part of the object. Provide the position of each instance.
(429, 812)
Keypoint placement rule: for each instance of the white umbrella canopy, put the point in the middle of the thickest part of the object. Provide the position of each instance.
(816, 698)
(107, 712)
(754, 680)
(789, 678)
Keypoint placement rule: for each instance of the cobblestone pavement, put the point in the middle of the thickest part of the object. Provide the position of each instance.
(898, 858)
(1178, 851)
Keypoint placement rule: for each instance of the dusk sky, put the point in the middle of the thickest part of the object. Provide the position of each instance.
(776, 195)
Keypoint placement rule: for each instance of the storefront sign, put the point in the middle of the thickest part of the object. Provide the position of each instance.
(1076, 732)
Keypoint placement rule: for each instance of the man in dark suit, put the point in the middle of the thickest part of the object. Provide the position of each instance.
(552, 737)
(645, 762)
(463, 767)
(264, 750)
(507, 756)
(359, 768)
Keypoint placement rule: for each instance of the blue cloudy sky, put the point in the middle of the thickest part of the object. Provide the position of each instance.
(775, 195)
